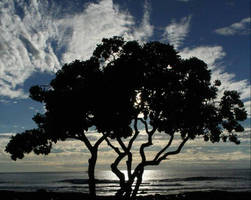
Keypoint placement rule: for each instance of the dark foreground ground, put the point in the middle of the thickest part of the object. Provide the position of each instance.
(43, 195)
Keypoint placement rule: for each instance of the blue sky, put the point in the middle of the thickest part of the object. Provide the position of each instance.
(38, 37)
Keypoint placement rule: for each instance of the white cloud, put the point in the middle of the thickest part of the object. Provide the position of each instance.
(145, 30)
(248, 108)
(241, 27)
(88, 28)
(213, 55)
(42, 39)
(209, 54)
(176, 32)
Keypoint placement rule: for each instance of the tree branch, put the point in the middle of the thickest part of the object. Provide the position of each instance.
(100, 140)
(112, 146)
(86, 141)
(145, 123)
(147, 144)
(176, 151)
(123, 146)
(129, 154)
(135, 135)
(165, 148)
(157, 162)
(143, 146)
(117, 172)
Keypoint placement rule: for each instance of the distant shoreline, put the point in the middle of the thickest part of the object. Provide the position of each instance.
(44, 195)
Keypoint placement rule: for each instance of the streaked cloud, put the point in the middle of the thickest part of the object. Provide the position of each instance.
(176, 32)
(193, 155)
(238, 28)
(40, 37)
(73, 155)
(145, 30)
(213, 55)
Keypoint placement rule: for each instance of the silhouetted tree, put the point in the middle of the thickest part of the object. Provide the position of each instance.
(167, 95)
(81, 97)
(123, 88)
(70, 101)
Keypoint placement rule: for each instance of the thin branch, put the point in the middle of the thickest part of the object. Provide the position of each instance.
(121, 143)
(165, 148)
(176, 151)
(148, 143)
(141, 165)
(134, 136)
(100, 140)
(112, 146)
(145, 123)
(156, 162)
(144, 145)
(86, 141)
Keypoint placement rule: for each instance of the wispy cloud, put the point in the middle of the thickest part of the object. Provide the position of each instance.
(176, 32)
(239, 28)
(248, 108)
(145, 30)
(40, 36)
(85, 30)
(213, 56)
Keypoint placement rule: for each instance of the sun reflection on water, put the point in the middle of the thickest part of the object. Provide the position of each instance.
(148, 175)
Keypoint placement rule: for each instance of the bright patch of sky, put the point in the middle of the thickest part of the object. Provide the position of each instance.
(38, 37)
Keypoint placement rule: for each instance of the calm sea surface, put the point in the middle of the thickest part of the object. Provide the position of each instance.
(155, 181)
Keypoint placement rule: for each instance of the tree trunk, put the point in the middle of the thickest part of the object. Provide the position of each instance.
(91, 174)
(121, 177)
(138, 183)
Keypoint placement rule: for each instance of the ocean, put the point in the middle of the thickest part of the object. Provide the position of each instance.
(154, 181)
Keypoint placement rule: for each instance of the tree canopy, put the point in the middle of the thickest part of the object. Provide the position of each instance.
(124, 83)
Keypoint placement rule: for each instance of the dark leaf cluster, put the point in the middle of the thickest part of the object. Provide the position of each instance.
(28, 141)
